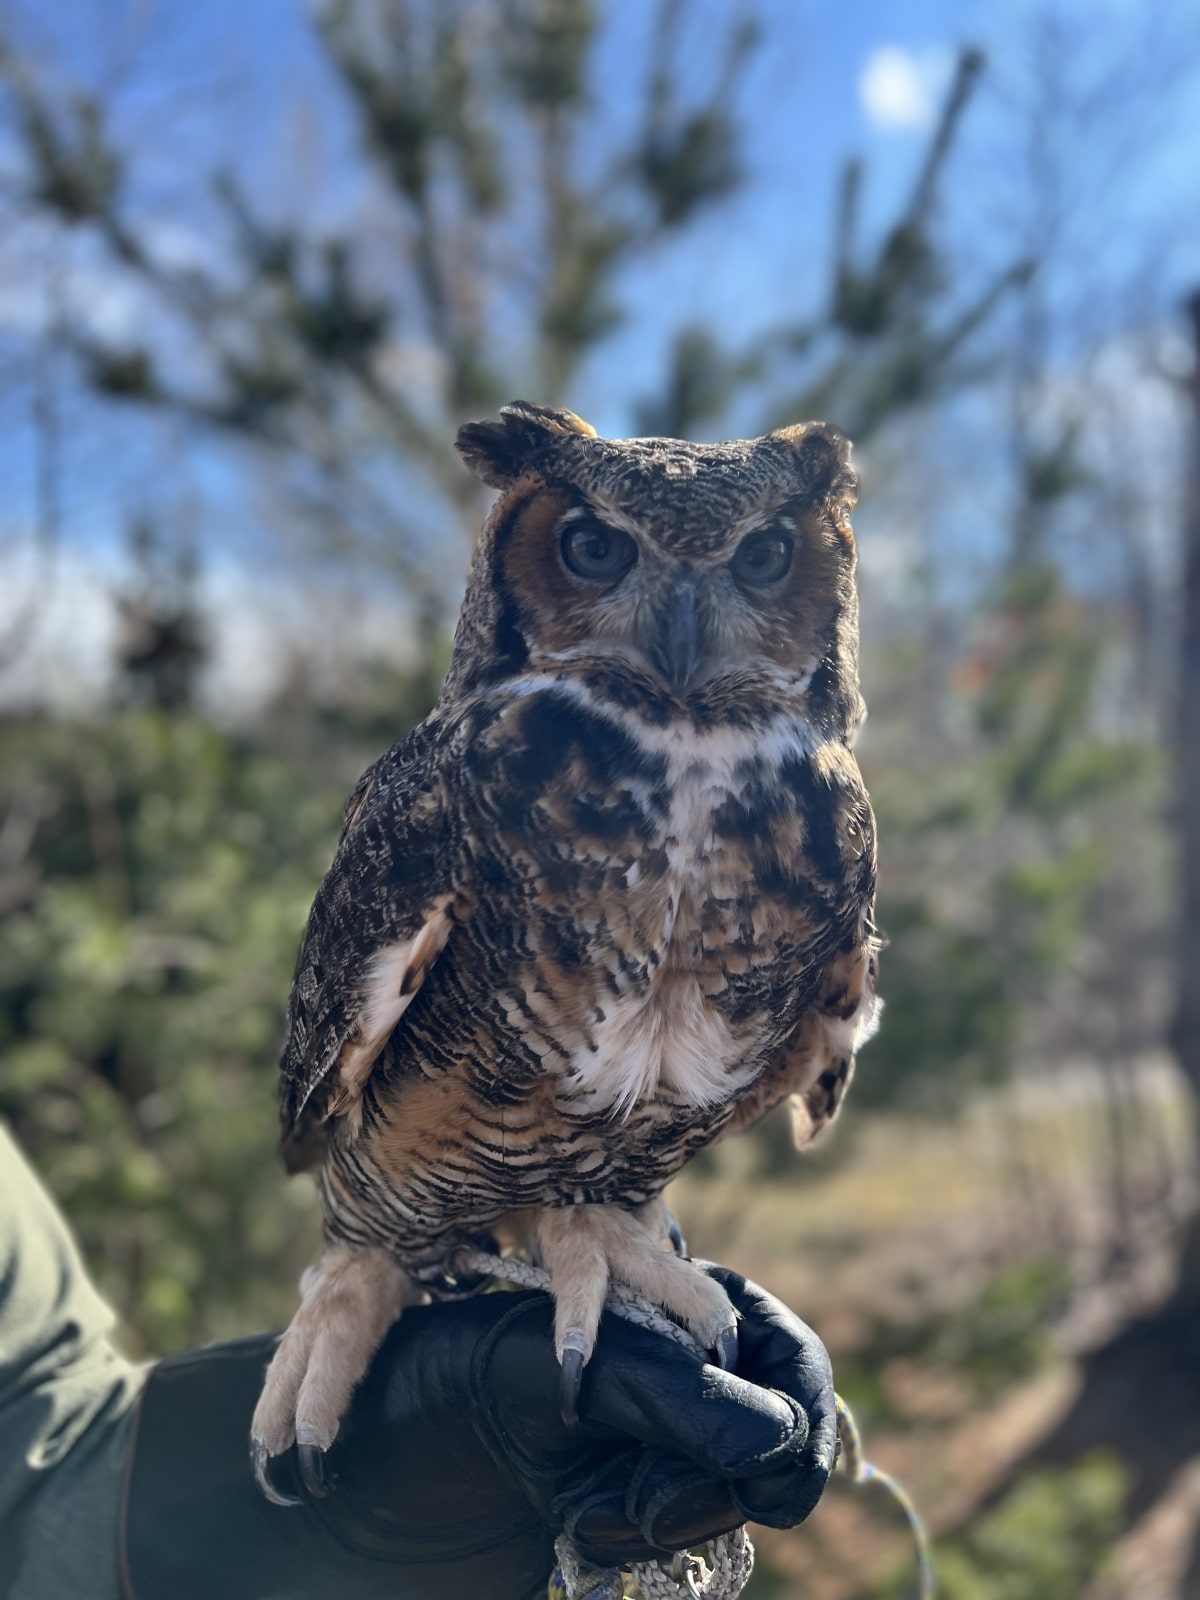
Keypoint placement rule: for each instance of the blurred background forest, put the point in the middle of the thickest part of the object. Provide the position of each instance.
(258, 262)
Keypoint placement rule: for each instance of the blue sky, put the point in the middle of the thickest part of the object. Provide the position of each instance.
(243, 83)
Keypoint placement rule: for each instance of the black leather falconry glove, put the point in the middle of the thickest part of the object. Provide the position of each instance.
(454, 1471)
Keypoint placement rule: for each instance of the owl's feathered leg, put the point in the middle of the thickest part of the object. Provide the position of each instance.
(348, 1302)
(584, 1247)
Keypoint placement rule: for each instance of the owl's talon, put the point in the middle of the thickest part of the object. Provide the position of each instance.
(726, 1349)
(572, 1379)
(312, 1471)
(260, 1466)
(347, 1305)
(573, 1359)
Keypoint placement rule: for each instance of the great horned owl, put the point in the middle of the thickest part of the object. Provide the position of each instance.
(610, 901)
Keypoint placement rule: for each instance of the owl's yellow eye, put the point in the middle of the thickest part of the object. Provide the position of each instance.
(762, 558)
(591, 549)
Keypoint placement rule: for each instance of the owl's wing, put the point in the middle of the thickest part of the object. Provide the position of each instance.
(814, 1067)
(838, 953)
(397, 886)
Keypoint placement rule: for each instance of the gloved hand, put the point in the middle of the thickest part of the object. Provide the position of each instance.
(454, 1471)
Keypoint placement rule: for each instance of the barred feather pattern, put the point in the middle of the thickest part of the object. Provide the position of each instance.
(582, 923)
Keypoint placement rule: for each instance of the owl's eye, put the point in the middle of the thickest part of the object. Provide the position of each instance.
(593, 550)
(762, 558)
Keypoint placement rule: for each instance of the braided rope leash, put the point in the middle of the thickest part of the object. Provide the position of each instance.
(725, 1569)
(860, 1470)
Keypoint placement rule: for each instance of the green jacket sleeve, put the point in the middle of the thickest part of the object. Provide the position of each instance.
(66, 1403)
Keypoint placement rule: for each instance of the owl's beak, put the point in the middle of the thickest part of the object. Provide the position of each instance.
(676, 648)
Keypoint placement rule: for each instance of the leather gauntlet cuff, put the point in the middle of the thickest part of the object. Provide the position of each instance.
(195, 1527)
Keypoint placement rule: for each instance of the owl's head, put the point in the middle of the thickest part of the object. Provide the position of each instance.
(699, 573)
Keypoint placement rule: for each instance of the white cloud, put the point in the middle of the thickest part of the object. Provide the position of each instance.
(899, 90)
(257, 630)
(67, 656)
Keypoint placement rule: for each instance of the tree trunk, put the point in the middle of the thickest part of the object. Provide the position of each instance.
(1186, 1031)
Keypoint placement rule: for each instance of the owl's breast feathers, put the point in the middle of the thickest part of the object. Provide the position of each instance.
(592, 923)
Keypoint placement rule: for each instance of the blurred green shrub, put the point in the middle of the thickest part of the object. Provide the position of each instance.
(999, 1337)
(1046, 1540)
(1001, 874)
(154, 908)
(1004, 1333)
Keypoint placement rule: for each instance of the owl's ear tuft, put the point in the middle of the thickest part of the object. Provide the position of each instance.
(501, 452)
(823, 462)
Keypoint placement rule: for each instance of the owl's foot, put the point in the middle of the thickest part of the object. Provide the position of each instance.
(347, 1304)
(583, 1247)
